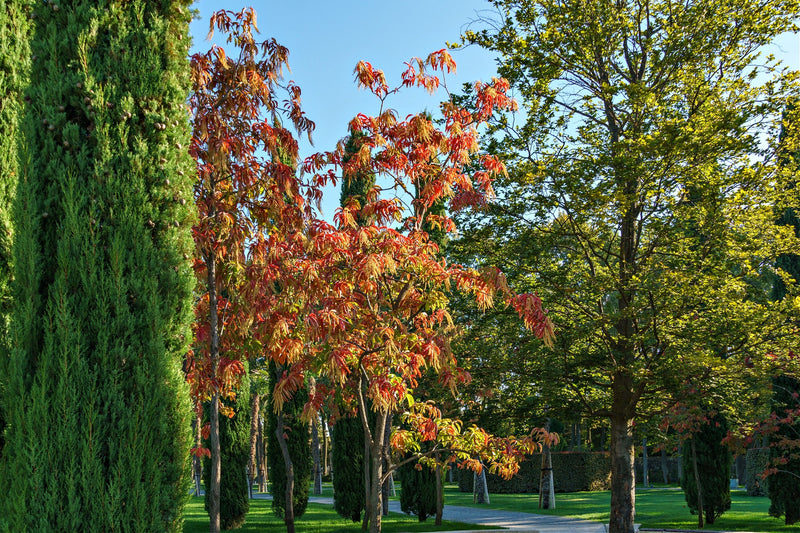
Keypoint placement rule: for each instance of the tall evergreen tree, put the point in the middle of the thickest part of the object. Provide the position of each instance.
(234, 442)
(98, 431)
(14, 65)
(296, 434)
(417, 490)
(713, 468)
(347, 440)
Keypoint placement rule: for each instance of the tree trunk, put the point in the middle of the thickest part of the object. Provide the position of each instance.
(376, 474)
(262, 474)
(197, 463)
(645, 474)
(547, 496)
(315, 454)
(700, 509)
(680, 463)
(251, 462)
(213, 415)
(439, 493)
(367, 493)
(325, 459)
(623, 480)
(664, 466)
(480, 492)
(288, 517)
(387, 433)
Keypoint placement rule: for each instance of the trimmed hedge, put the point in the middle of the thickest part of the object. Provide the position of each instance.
(757, 462)
(572, 472)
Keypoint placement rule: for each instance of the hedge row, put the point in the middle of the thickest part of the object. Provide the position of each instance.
(572, 472)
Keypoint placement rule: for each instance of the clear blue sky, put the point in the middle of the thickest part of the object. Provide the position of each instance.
(326, 38)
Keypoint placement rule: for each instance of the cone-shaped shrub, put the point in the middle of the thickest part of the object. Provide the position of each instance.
(234, 443)
(713, 466)
(98, 418)
(418, 490)
(347, 440)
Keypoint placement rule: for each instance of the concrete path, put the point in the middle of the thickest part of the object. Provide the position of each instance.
(530, 523)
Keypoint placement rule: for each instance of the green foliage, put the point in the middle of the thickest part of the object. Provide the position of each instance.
(783, 488)
(347, 440)
(234, 443)
(357, 182)
(713, 466)
(757, 463)
(14, 65)
(98, 417)
(297, 439)
(418, 490)
(572, 472)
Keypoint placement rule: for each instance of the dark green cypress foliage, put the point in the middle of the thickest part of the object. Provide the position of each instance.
(418, 490)
(714, 467)
(98, 414)
(783, 488)
(297, 439)
(347, 440)
(356, 182)
(14, 65)
(234, 441)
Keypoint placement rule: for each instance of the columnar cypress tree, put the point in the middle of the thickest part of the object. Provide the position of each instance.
(234, 443)
(713, 467)
(297, 435)
(418, 490)
(14, 65)
(98, 415)
(347, 440)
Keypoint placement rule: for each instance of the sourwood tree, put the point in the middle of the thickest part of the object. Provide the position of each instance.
(629, 107)
(101, 275)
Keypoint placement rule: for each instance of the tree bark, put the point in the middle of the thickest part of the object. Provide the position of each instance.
(376, 473)
(439, 493)
(251, 462)
(213, 414)
(547, 496)
(288, 515)
(700, 509)
(645, 475)
(623, 480)
(387, 433)
(197, 463)
(325, 459)
(664, 466)
(315, 454)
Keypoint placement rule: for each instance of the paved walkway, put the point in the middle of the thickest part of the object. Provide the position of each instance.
(530, 523)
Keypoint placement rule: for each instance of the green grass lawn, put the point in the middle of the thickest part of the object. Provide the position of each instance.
(317, 519)
(655, 508)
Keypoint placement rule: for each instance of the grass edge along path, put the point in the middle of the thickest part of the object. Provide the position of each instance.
(318, 518)
(658, 508)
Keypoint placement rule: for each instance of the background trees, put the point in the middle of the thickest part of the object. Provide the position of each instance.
(103, 289)
(641, 172)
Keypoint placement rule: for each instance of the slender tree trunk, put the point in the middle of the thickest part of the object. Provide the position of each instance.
(254, 425)
(262, 477)
(197, 463)
(623, 480)
(213, 414)
(439, 493)
(325, 459)
(700, 509)
(664, 466)
(315, 454)
(367, 492)
(387, 433)
(680, 463)
(547, 496)
(288, 516)
(645, 474)
(376, 474)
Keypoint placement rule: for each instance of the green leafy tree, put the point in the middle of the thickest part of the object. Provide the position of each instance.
(234, 441)
(628, 107)
(706, 458)
(97, 410)
(347, 441)
(14, 65)
(295, 432)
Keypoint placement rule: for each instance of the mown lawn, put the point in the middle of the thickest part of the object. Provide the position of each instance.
(655, 508)
(317, 519)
